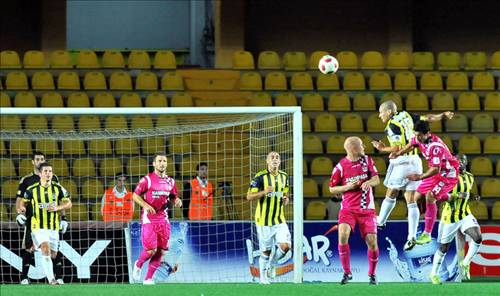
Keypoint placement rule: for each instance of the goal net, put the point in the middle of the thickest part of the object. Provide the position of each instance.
(88, 148)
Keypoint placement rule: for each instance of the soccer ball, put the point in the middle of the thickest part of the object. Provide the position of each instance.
(328, 64)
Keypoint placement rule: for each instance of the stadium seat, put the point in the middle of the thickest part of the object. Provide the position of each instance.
(306, 123)
(399, 212)
(305, 171)
(348, 60)
(316, 210)
(62, 123)
(94, 81)
(104, 100)
(243, 60)
(73, 147)
(269, 60)
(261, 99)
(405, 80)
(36, 122)
(130, 100)
(68, 81)
(325, 122)
(479, 210)
(495, 60)
(321, 166)
(9, 189)
(34, 59)
(294, 61)
(139, 59)
(9, 60)
(482, 123)
(380, 81)
(364, 102)
(335, 145)
(490, 187)
(275, 81)
(181, 100)
(495, 210)
(492, 101)
(354, 81)
(42, 81)
(251, 81)
(325, 188)
(110, 167)
(448, 60)
(146, 81)
(20, 147)
(398, 60)
(423, 61)
(141, 122)
(492, 145)
(481, 166)
(469, 101)
(367, 141)
(60, 167)
(4, 100)
(381, 190)
(301, 81)
(449, 143)
(87, 59)
(393, 96)
(339, 101)
(116, 122)
(127, 146)
(483, 81)
(84, 167)
(457, 81)
(172, 81)
(417, 101)
(113, 59)
(156, 99)
(164, 60)
(25, 99)
(48, 146)
(443, 101)
(61, 59)
(3, 149)
(4, 213)
(380, 165)
(179, 144)
(100, 147)
(327, 82)
(374, 124)
(351, 123)
(431, 81)
(25, 166)
(469, 144)
(312, 102)
(151, 145)
(475, 61)
(10, 122)
(286, 99)
(7, 168)
(92, 190)
(312, 145)
(16, 80)
(372, 60)
(310, 188)
(314, 59)
(78, 99)
(120, 80)
(52, 100)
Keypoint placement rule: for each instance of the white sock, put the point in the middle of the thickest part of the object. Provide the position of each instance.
(473, 249)
(263, 264)
(386, 208)
(413, 217)
(437, 261)
(460, 245)
(47, 268)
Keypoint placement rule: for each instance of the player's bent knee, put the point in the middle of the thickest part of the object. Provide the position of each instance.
(444, 247)
(151, 252)
(284, 247)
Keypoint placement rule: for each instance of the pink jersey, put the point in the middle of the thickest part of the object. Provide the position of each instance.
(155, 191)
(347, 171)
(438, 155)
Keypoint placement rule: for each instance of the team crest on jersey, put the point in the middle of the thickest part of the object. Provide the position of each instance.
(365, 169)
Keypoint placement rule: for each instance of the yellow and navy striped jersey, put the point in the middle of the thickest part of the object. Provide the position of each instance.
(458, 207)
(399, 129)
(40, 198)
(269, 209)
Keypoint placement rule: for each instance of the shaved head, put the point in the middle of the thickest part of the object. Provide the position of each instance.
(386, 110)
(273, 160)
(354, 146)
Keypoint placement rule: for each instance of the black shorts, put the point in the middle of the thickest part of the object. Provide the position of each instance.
(27, 242)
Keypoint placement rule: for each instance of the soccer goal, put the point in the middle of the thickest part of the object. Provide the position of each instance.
(88, 147)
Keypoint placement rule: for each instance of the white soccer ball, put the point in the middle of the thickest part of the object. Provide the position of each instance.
(328, 64)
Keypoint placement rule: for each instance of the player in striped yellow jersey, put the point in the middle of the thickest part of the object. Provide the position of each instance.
(457, 220)
(270, 189)
(46, 199)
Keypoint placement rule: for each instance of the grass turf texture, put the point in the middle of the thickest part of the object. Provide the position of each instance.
(309, 289)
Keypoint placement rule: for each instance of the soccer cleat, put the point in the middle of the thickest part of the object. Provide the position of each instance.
(271, 271)
(60, 281)
(264, 281)
(148, 282)
(25, 282)
(409, 244)
(136, 274)
(435, 279)
(346, 278)
(373, 280)
(53, 283)
(424, 238)
(465, 271)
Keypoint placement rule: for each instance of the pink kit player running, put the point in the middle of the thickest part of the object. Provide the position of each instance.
(354, 177)
(153, 193)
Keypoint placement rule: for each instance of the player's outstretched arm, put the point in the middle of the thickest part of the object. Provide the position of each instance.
(380, 146)
(430, 172)
(438, 117)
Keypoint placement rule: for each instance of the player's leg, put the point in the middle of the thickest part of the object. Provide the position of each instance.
(368, 229)
(387, 206)
(163, 238)
(284, 241)
(56, 256)
(265, 237)
(27, 255)
(471, 228)
(41, 239)
(413, 217)
(149, 244)
(430, 217)
(448, 231)
(344, 251)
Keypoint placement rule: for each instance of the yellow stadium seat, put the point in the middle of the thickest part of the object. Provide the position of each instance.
(7, 168)
(495, 210)
(347, 60)
(339, 101)
(127, 146)
(286, 99)
(92, 189)
(482, 123)
(87, 59)
(495, 60)
(52, 100)
(262, 99)
(312, 145)
(449, 60)
(312, 102)
(4, 100)
(305, 170)
(314, 59)
(351, 123)
(380, 81)
(492, 144)
(423, 61)
(73, 147)
(61, 59)
(269, 60)
(364, 102)
(120, 80)
(492, 101)
(275, 81)
(42, 80)
(301, 81)
(116, 122)
(243, 60)
(110, 167)
(481, 166)
(94, 81)
(316, 210)
(25, 166)
(9, 59)
(398, 60)
(380, 165)
(104, 100)
(436, 126)
(372, 60)
(335, 145)
(443, 101)
(146, 81)
(251, 81)
(367, 141)
(60, 167)
(399, 212)
(374, 124)
(165, 60)
(180, 144)
(475, 60)
(479, 210)
(16, 80)
(381, 190)
(321, 166)
(156, 99)
(182, 100)
(310, 188)
(141, 122)
(172, 81)
(10, 122)
(68, 81)
(78, 100)
(483, 81)
(294, 61)
(417, 101)
(392, 96)
(139, 59)
(100, 147)
(4, 213)
(458, 123)
(457, 81)
(9, 189)
(113, 59)
(469, 144)
(151, 145)
(498, 168)
(83, 167)
(449, 143)
(325, 122)
(36, 122)
(431, 81)
(405, 80)
(468, 101)
(20, 147)
(327, 82)
(25, 99)
(34, 59)
(490, 187)
(354, 81)
(48, 146)
(63, 123)
(130, 100)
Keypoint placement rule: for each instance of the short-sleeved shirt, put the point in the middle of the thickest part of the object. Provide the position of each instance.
(438, 155)
(456, 210)
(399, 129)
(26, 182)
(156, 192)
(40, 197)
(347, 171)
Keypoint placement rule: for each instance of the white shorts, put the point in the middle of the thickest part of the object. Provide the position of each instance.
(447, 231)
(269, 235)
(45, 235)
(401, 167)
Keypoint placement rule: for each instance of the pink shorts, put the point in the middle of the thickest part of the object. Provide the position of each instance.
(155, 235)
(438, 185)
(366, 219)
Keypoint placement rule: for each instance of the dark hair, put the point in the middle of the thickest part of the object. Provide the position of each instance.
(422, 126)
(43, 165)
(201, 164)
(120, 174)
(35, 153)
(159, 154)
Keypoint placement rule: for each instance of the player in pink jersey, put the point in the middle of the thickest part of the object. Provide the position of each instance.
(353, 177)
(440, 178)
(153, 194)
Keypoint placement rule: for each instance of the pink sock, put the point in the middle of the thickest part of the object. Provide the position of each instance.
(154, 263)
(372, 261)
(345, 257)
(143, 258)
(430, 216)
